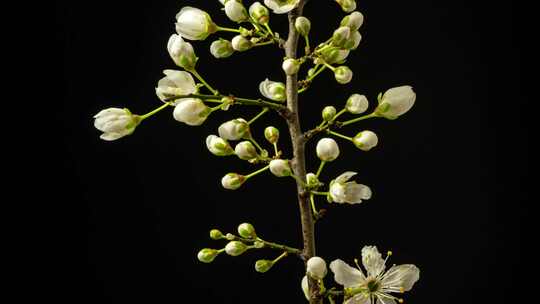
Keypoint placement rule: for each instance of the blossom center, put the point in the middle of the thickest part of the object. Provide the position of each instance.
(373, 285)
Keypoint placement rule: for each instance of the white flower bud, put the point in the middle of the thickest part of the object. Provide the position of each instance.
(316, 268)
(234, 129)
(232, 181)
(273, 90)
(280, 167)
(334, 55)
(353, 42)
(181, 52)
(246, 230)
(175, 83)
(191, 111)
(241, 44)
(236, 11)
(115, 123)
(365, 140)
(347, 5)
(341, 35)
(312, 180)
(302, 25)
(245, 150)
(396, 102)
(354, 21)
(235, 248)
(343, 74)
(281, 6)
(221, 48)
(328, 113)
(357, 104)
(327, 149)
(342, 191)
(290, 66)
(259, 13)
(305, 287)
(207, 255)
(194, 24)
(218, 146)
(271, 134)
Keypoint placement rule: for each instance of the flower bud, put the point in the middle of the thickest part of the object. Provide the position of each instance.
(263, 266)
(396, 102)
(302, 25)
(341, 35)
(354, 21)
(181, 52)
(236, 11)
(215, 234)
(328, 113)
(232, 181)
(305, 287)
(191, 111)
(273, 90)
(235, 248)
(353, 42)
(246, 230)
(312, 180)
(221, 48)
(240, 43)
(175, 83)
(343, 74)
(347, 5)
(259, 13)
(218, 146)
(365, 140)
(281, 6)
(207, 255)
(245, 150)
(115, 123)
(280, 167)
(334, 55)
(290, 66)
(327, 149)
(229, 236)
(234, 129)
(357, 104)
(271, 134)
(316, 268)
(226, 103)
(194, 24)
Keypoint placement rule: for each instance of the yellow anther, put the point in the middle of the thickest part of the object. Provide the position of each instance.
(401, 289)
(400, 300)
(389, 253)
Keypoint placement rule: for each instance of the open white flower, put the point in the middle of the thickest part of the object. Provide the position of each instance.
(181, 52)
(191, 111)
(396, 102)
(281, 6)
(273, 90)
(194, 24)
(115, 123)
(377, 286)
(342, 191)
(175, 83)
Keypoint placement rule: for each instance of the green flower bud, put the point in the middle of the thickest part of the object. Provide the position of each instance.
(207, 255)
(226, 103)
(263, 266)
(240, 43)
(343, 74)
(216, 234)
(333, 55)
(312, 180)
(353, 42)
(235, 248)
(341, 35)
(353, 21)
(271, 134)
(229, 236)
(347, 5)
(221, 48)
(302, 25)
(259, 13)
(328, 113)
(246, 230)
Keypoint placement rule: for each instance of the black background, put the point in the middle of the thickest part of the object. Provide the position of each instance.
(447, 176)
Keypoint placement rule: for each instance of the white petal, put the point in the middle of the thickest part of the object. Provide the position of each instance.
(346, 275)
(402, 276)
(358, 299)
(383, 300)
(372, 260)
(355, 193)
(111, 136)
(305, 287)
(345, 177)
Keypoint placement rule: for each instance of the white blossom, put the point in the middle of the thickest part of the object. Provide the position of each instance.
(396, 102)
(280, 167)
(218, 146)
(281, 6)
(316, 268)
(175, 83)
(191, 111)
(273, 90)
(234, 129)
(115, 123)
(305, 287)
(365, 140)
(343, 74)
(245, 150)
(194, 24)
(181, 52)
(375, 287)
(327, 149)
(357, 104)
(236, 11)
(354, 41)
(342, 191)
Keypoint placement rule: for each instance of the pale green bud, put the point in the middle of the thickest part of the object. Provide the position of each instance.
(302, 25)
(229, 236)
(327, 149)
(226, 103)
(218, 146)
(353, 21)
(273, 90)
(232, 181)
(280, 167)
(181, 52)
(246, 230)
(334, 55)
(396, 102)
(341, 35)
(316, 268)
(207, 255)
(245, 150)
(343, 74)
(353, 42)
(236, 11)
(234, 129)
(215, 234)
(271, 134)
(347, 5)
(312, 180)
(328, 113)
(259, 13)
(221, 48)
(357, 104)
(235, 248)
(365, 140)
(290, 66)
(263, 266)
(115, 123)
(241, 44)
